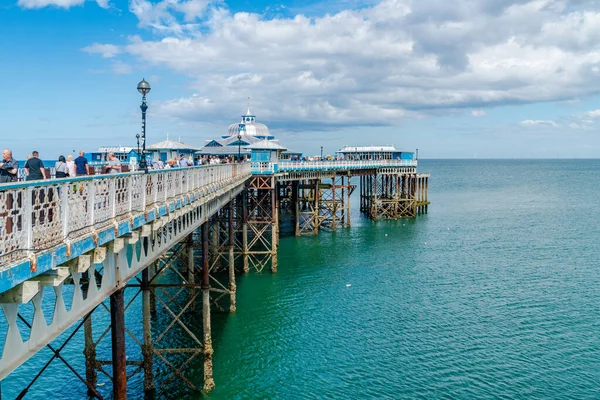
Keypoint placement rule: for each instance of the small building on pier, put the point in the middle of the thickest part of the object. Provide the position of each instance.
(367, 153)
(170, 149)
(123, 154)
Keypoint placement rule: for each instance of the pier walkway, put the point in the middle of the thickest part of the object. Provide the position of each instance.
(96, 234)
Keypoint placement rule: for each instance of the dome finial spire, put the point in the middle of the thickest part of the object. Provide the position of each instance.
(248, 112)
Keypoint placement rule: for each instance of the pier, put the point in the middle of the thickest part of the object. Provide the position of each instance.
(70, 248)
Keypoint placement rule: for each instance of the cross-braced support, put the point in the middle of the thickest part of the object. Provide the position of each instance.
(225, 250)
(334, 203)
(260, 224)
(307, 208)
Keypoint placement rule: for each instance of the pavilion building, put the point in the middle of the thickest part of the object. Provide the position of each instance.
(366, 153)
(240, 136)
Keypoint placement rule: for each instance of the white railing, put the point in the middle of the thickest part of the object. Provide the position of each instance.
(285, 166)
(38, 215)
(262, 168)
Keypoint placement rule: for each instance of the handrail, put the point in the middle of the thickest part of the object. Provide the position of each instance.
(286, 166)
(37, 215)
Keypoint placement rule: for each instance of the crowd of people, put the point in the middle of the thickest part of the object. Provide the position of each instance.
(190, 162)
(34, 168)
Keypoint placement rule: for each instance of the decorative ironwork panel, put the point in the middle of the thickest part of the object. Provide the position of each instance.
(45, 217)
(12, 230)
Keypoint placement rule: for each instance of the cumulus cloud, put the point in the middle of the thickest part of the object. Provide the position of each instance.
(593, 113)
(58, 3)
(538, 123)
(375, 65)
(162, 16)
(107, 50)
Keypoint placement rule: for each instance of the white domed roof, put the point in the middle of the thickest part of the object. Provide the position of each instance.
(249, 126)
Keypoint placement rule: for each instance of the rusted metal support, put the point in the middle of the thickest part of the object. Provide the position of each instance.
(232, 286)
(209, 383)
(119, 360)
(190, 268)
(274, 228)
(147, 346)
(245, 256)
(91, 377)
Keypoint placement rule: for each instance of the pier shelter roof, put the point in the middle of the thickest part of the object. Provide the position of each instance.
(171, 145)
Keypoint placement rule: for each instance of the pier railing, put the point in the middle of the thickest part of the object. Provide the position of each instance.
(38, 215)
(285, 166)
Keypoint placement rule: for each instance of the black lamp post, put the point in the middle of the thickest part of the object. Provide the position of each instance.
(144, 88)
(321, 153)
(239, 147)
(137, 136)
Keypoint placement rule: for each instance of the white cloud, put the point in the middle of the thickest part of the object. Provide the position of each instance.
(160, 15)
(538, 123)
(375, 65)
(58, 3)
(107, 50)
(593, 113)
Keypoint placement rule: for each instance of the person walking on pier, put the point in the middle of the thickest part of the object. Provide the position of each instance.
(81, 165)
(61, 170)
(71, 166)
(8, 167)
(34, 168)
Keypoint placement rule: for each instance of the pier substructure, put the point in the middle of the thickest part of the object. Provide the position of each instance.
(334, 203)
(226, 249)
(307, 207)
(179, 278)
(390, 194)
(260, 224)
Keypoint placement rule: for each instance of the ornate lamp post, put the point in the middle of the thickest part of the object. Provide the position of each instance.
(239, 147)
(144, 88)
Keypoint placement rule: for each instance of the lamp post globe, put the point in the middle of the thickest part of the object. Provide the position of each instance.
(144, 88)
(239, 147)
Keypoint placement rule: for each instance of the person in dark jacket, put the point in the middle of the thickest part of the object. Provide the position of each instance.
(34, 167)
(8, 167)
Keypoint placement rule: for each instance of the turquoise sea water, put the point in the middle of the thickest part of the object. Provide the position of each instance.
(493, 295)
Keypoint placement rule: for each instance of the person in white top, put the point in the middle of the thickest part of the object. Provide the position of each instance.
(71, 165)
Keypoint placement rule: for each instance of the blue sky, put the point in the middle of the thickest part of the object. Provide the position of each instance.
(494, 78)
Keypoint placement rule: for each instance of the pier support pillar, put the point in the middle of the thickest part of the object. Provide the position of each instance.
(190, 269)
(209, 383)
(117, 321)
(91, 376)
(274, 229)
(246, 262)
(147, 347)
(232, 287)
